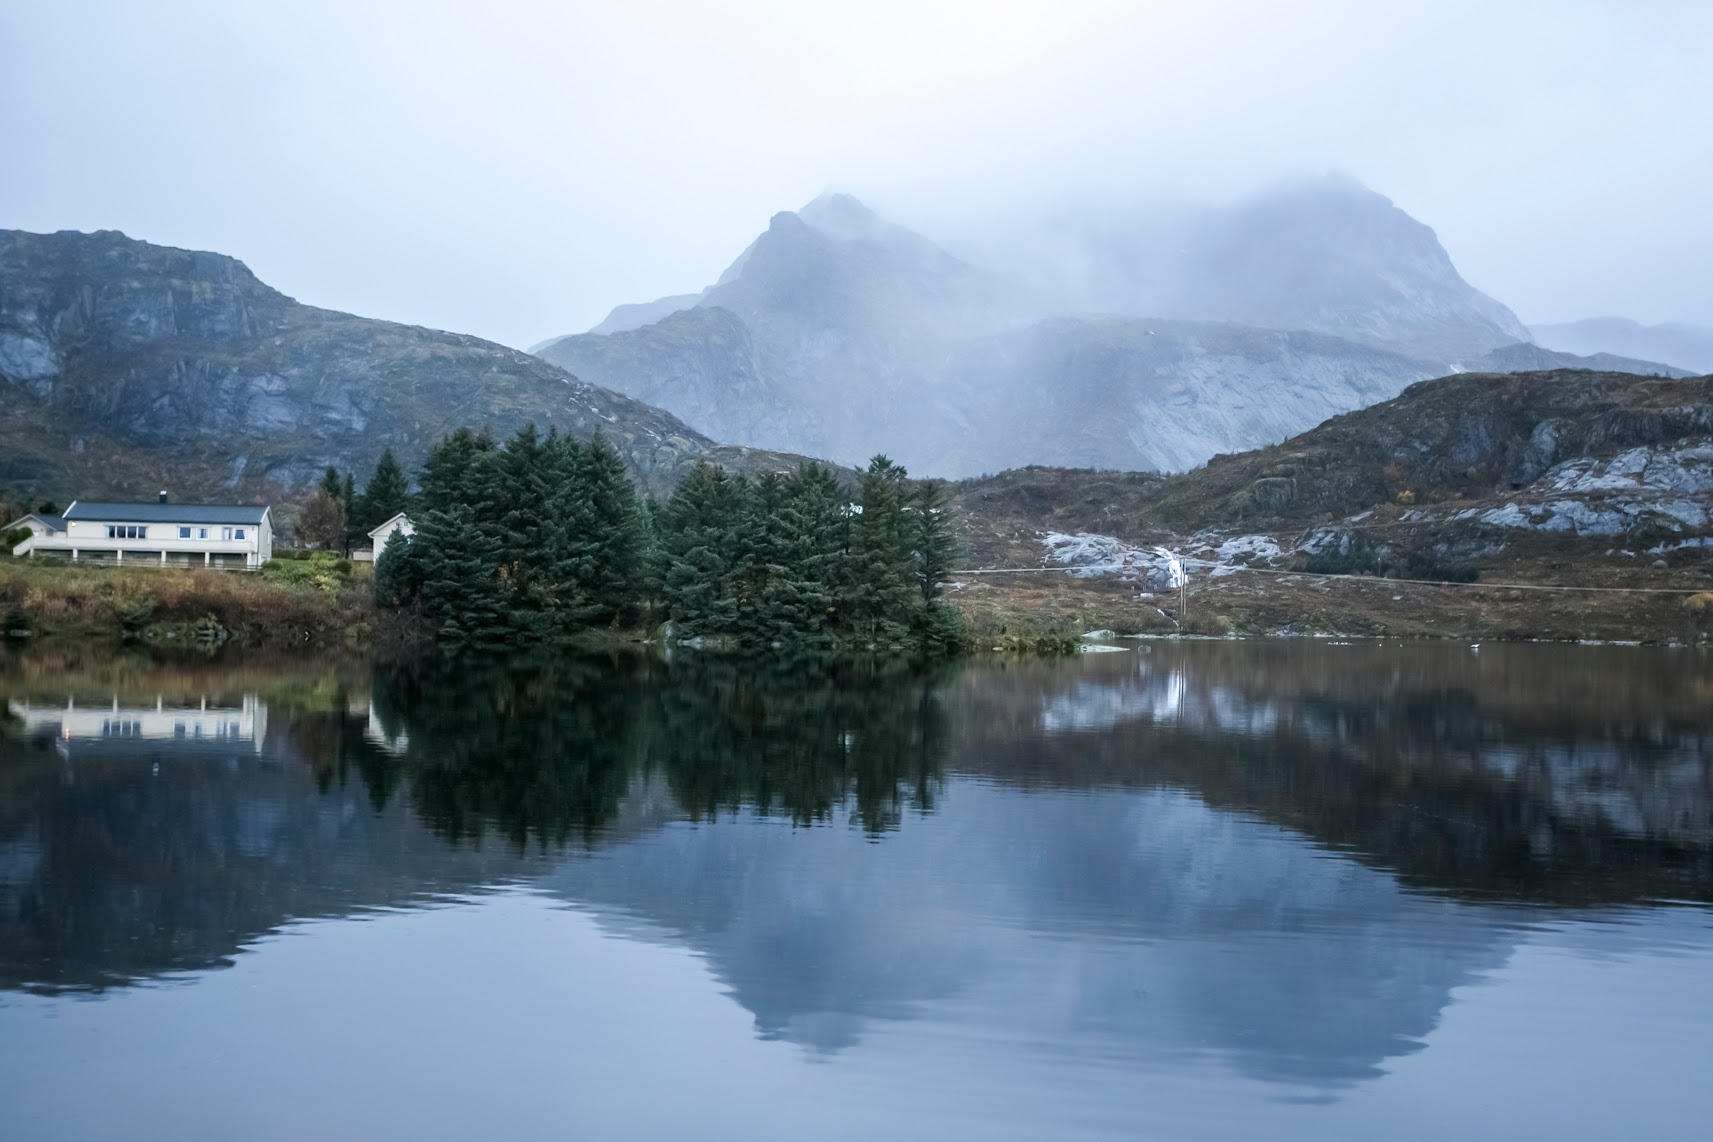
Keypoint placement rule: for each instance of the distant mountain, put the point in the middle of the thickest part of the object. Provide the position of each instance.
(839, 334)
(1681, 344)
(1527, 358)
(627, 317)
(1325, 255)
(819, 338)
(127, 367)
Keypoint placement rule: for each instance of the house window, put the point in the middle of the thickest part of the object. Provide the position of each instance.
(239, 534)
(226, 533)
(184, 533)
(126, 531)
(202, 533)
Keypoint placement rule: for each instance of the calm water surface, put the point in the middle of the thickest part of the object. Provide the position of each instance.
(1184, 891)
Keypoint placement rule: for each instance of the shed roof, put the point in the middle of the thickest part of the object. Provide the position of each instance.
(51, 522)
(166, 513)
(395, 518)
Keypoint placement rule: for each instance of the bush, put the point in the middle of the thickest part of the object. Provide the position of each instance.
(322, 570)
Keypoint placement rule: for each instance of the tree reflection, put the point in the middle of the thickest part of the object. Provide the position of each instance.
(544, 753)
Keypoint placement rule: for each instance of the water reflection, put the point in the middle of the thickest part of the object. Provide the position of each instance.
(1285, 858)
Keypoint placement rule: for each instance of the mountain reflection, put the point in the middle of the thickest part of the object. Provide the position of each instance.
(1284, 855)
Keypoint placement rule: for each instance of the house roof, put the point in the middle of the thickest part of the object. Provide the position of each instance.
(51, 522)
(166, 513)
(398, 516)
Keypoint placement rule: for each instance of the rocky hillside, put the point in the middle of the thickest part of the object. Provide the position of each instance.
(839, 334)
(1568, 454)
(1410, 518)
(127, 367)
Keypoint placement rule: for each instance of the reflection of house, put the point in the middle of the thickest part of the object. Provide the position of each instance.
(107, 722)
(205, 535)
(393, 741)
(399, 524)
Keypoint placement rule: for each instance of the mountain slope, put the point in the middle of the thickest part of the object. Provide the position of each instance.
(816, 339)
(1681, 344)
(126, 367)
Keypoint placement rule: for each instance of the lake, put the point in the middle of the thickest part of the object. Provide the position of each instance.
(1184, 890)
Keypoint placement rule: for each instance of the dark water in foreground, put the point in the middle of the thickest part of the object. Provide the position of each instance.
(1185, 891)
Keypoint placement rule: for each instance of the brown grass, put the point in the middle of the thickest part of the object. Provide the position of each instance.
(161, 604)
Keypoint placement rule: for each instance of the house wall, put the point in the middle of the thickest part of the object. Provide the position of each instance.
(384, 533)
(161, 543)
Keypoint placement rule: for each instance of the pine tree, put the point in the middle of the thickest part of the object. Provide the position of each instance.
(398, 572)
(699, 550)
(882, 596)
(332, 486)
(526, 477)
(806, 554)
(460, 590)
(936, 627)
(931, 534)
(387, 494)
(603, 543)
(449, 475)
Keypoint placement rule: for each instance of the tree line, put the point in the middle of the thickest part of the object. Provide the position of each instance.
(539, 538)
(338, 517)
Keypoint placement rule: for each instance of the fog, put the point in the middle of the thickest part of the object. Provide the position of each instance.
(513, 169)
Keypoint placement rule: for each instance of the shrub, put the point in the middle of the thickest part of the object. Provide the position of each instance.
(322, 570)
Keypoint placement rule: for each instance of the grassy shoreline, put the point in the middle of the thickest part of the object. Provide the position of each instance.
(1040, 615)
(166, 606)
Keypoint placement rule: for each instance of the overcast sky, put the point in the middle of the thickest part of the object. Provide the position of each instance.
(513, 168)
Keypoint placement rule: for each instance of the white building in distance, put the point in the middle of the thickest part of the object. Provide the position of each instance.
(378, 538)
(161, 533)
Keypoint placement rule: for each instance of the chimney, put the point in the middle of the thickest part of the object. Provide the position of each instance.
(163, 495)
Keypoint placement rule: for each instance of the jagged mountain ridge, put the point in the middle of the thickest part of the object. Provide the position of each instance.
(127, 367)
(839, 334)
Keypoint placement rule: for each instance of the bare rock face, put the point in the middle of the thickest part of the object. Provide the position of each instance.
(126, 367)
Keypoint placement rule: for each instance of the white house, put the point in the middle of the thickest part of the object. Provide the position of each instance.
(183, 535)
(378, 538)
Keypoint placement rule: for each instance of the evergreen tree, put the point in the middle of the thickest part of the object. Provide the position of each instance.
(460, 589)
(398, 572)
(931, 534)
(936, 627)
(603, 541)
(882, 594)
(386, 495)
(332, 486)
(450, 474)
(699, 550)
(526, 476)
(806, 556)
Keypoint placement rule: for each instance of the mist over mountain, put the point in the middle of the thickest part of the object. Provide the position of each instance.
(127, 367)
(1148, 338)
(1324, 255)
(1682, 344)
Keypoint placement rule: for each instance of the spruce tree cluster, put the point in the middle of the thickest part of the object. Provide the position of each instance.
(520, 543)
(530, 541)
(792, 561)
